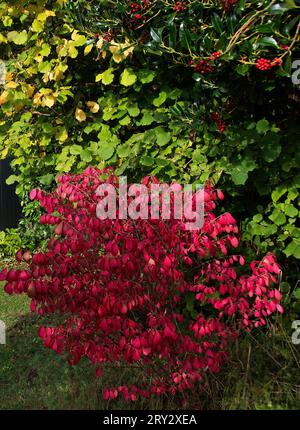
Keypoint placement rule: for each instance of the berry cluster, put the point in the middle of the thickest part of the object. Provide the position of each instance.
(203, 66)
(206, 66)
(138, 11)
(121, 287)
(108, 36)
(180, 6)
(219, 121)
(266, 64)
(215, 55)
(228, 4)
(285, 47)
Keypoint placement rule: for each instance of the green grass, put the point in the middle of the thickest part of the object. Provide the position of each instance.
(262, 374)
(33, 377)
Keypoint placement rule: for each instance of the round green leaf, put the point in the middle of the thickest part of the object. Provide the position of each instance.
(128, 78)
(106, 151)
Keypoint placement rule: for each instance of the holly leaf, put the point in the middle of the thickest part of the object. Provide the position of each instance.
(268, 41)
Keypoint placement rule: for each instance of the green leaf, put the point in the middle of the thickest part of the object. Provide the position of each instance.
(155, 35)
(162, 97)
(147, 161)
(124, 150)
(147, 119)
(48, 128)
(75, 149)
(128, 78)
(198, 156)
(239, 171)
(290, 4)
(146, 76)
(190, 299)
(288, 27)
(79, 39)
(278, 217)
(106, 151)
(278, 192)
(125, 121)
(61, 134)
(262, 126)
(242, 69)
(17, 38)
(278, 8)
(217, 23)
(172, 35)
(284, 287)
(291, 211)
(134, 110)
(232, 22)
(293, 249)
(106, 77)
(46, 50)
(7, 21)
(12, 179)
(46, 179)
(86, 155)
(268, 41)
(297, 293)
(163, 137)
(184, 36)
(287, 65)
(37, 26)
(271, 150)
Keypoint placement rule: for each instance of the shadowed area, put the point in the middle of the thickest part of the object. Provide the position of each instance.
(262, 374)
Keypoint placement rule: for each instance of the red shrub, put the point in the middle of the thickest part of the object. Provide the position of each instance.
(123, 287)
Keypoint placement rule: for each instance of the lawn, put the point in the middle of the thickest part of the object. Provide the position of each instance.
(33, 377)
(263, 374)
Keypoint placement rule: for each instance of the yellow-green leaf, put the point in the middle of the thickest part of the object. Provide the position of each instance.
(93, 106)
(88, 49)
(79, 40)
(37, 26)
(61, 134)
(128, 77)
(106, 77)
(80, 115)
(17, 38)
